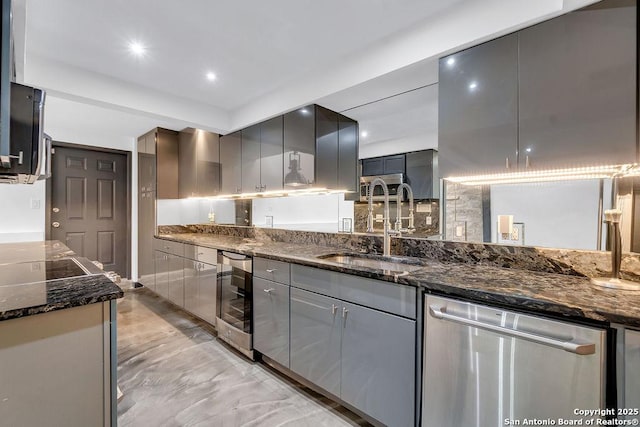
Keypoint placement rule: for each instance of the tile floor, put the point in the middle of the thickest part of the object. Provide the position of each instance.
(173, 372)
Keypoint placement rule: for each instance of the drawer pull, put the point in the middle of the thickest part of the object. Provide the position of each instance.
(269, 290)
(271, 270)
(334, 309)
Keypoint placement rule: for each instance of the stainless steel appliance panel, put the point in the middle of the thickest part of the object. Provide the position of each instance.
(632, 370)
(484, 365)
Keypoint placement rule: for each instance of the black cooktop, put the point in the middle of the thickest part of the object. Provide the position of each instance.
(62, 268)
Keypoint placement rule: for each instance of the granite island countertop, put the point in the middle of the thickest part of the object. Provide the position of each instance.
(39, 277)
(557, 295)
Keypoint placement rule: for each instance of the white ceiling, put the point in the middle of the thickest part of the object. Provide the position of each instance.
(269, 57)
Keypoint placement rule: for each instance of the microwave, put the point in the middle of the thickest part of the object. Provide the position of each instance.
(29, 147)
(393, 181)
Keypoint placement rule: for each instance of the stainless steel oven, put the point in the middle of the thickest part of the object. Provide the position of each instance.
(233, 321)
(393, 182)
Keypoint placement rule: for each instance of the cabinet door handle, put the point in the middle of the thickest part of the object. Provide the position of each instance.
(507, 163)
(334, 309)
(271, 270)
(344, 313)
(269, 290)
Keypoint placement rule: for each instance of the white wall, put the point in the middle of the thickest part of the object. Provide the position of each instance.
(556, 214)
(419, 142)
(19, 220)
(311, 212)
(195, 211)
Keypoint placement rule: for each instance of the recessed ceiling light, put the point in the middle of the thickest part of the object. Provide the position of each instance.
(137, 48)
(364, 134)
(211, 76)
(451, 61)
(473, 85)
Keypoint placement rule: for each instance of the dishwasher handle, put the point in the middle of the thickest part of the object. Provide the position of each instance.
(581, 349)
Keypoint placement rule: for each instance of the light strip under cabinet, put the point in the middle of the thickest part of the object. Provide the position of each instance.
(278, 193)
(548, 175)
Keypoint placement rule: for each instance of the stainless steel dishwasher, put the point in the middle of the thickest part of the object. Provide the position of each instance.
(484, 366)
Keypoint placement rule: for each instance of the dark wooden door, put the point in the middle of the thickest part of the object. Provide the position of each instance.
(89, 205)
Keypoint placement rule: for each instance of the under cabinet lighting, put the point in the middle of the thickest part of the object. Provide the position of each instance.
(278, 193)
(548, 175)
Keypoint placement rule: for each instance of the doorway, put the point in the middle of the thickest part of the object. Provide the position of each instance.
(89, 204)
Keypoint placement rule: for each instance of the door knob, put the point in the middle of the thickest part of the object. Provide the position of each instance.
(55, 224)
(56, 210)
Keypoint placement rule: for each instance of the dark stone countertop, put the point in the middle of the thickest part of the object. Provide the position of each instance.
(551, 294)
(40, 277)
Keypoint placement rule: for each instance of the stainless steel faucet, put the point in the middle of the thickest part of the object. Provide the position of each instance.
(387, 225)
(398, 226)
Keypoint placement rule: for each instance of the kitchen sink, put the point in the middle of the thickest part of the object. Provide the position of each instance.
(390, 265)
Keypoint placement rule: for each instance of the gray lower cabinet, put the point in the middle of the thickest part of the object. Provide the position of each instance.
(200, 289)
(315, 339)
(632, 371)
(175, 279)
(271, 319)
(365, 357)
(378, 364)
(162, 273)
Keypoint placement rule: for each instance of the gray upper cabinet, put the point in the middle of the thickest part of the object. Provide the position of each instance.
(555, 95)
(422, 174)
(147, 143)
(308, 147)
(326, 148)
(262, 156)
(271, 154)
(251, 159)
(578, 88)
(299, 147)
(385, 165)
(348, 155)
(231, 163)
(199, 163)
(167, 159)
(478, 109)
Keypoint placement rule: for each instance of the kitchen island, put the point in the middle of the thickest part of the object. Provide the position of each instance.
(57, 338)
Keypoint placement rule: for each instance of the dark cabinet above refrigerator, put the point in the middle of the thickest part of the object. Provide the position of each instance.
(419, 169)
